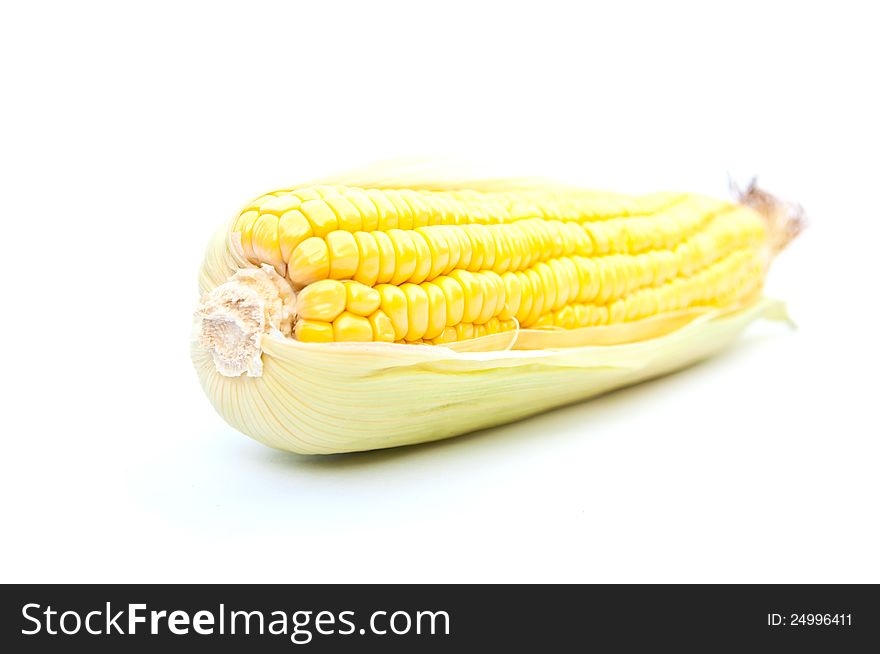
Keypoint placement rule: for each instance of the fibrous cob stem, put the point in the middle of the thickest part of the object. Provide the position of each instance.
(232, 319)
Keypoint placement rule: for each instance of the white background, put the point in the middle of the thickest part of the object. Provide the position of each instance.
(130, 131)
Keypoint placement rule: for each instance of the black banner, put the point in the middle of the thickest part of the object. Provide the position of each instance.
(408, 618)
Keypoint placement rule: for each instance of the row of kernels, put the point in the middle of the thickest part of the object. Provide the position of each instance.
(466, 331)
(722, 283)
(640, 234)
(551, 286)
(274, 238)
(424, 310)
(348, 311)
(426, 252)
(326, 299)
(328, 208)
(476, 297)
(383, 209)
(583, 205)
(347, 326)
(399, 256)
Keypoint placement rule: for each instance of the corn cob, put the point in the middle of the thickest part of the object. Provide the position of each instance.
(344, 276)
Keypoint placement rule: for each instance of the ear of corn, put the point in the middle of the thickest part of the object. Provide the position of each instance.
(338, 318)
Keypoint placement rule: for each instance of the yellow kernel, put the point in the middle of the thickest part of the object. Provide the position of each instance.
(368, 259)
(325, 191)
(617, 311)
(244, 226)
(549, 286)
(570, 269)
(387, 212)
(347, 215)
(464, 331)
(598, 234)
(293, 229)
(404, 254)
(383, 330)
(465, 249)
(438, 250)
(423, 258)
(538, 249)
(477, 247)
(245, 218)
(309, 262)
(565, 317)
(387, 258)
(323, 300)
(344, 254)
(447, 336)
(311, 331)
(436, 310)
(369, 213)
(493, 298)
(417, 311)
(361, 299)
(439, 207)
(488, 247)
(633, 305)
(320, 216)
(403, 210)
(454, 248)
(538, 297)
(260, 201)
(264, 241)
(525, 297)
(562, 246)
(512, 296)
(558, 279)
(580, 315)
(435, 206)
(473, 294)
(349, 327)
(306, 194)
(517, 245)
(280, 204)
(393, 303)
(542, 248)
(421, 213)
(606, 281)
(588, 279)
(502, 248)
(454, 294)
(612, 281)
(649, 303)
(580, 244)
